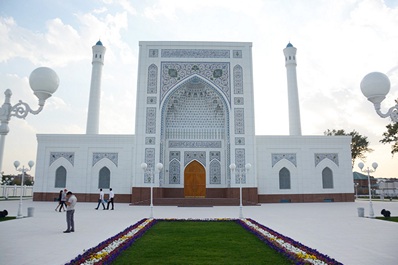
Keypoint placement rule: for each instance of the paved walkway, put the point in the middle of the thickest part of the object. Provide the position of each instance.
(333, 229)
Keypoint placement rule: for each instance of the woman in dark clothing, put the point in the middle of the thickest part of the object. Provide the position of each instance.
(60, 204)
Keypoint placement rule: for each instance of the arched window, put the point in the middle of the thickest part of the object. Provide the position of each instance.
(327, 178)
(215, 172)
(104, 180)
(284, 178)
(60, 177)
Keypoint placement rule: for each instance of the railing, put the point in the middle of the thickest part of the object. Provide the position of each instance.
(7, 191)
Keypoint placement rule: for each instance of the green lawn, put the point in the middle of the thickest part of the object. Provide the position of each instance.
(7, 218)
(391, 219)
(193, 242)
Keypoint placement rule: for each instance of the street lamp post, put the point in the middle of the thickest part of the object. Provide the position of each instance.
(240, 172)
(23, 170)
(368, 171)
(356, 190)
(151, 172)
(44, 82)
(375, 86)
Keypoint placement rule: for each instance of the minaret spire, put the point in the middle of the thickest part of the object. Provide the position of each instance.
(293, 98)
(95, 89)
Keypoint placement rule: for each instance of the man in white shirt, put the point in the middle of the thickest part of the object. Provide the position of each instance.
(70, 212)
(101, 200)
(111, 196)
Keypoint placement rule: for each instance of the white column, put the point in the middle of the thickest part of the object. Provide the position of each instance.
(95, 89)
(293, 98)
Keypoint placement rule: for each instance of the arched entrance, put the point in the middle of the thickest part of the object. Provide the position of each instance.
(195, 180)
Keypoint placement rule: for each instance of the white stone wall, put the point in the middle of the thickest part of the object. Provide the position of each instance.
(82, 175)
(306, 177)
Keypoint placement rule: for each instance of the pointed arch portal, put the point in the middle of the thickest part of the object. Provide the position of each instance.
(195, 180)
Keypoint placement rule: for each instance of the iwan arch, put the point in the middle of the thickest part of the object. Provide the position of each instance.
(195, 115)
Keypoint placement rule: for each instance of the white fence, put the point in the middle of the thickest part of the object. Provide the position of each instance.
(7, 191)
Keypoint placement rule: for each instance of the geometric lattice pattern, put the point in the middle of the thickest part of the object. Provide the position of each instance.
(153, 53)
(237, 53)
(239, 121)
(239, 141)
(111, 156)
(240, 164)
(288, 156)
(70, 156)
(238, 101)
(150, 140)
(195, 155)
(321, 156)
(174, 172)
(238, 79)
(195, 53)
(216, 73)
(152, 79)
(150, 120)
(215, 172)
(150, 161)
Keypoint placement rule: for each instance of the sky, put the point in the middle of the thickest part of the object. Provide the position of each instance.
(338, 43)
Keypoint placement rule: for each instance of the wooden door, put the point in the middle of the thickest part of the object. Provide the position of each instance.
(195, 180)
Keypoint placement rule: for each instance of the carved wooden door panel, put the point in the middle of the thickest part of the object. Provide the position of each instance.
(195, 180)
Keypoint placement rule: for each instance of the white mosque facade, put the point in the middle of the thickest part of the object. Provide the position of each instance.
(195, 116)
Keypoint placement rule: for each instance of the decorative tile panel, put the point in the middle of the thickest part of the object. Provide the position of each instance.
(239, 121)
(288, 156)
(153, 53)
(70, 156)
(321, 156)
(150, 161)
(215, 172)
(237, 53)
(152, 79)
(151, 100)
(238, 79)
(150, 120)
(239, 140)
(111, 156)
(195, 144)
(174, 172)
(195, 155)
(215, 155)
(194, 53)
(150, 140)
(239, 101)
(175, 155)
(240, 162)
(174, 72)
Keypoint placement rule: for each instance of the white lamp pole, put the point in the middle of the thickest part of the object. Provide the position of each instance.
(356, 190)
(375, 86)
(23, 170)
(151, 172)
(368, 171)
(240, 172)
(44, 82)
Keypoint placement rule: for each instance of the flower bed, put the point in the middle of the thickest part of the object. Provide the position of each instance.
(108, 250)
(288, 247)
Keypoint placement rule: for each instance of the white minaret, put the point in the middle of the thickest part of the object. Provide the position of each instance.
(292, 90)
(95, 89)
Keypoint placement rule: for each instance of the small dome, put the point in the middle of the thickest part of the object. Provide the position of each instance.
(289, 45)
(99, 43)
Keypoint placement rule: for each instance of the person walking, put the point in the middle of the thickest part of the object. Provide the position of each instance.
(110, 200)
(59, 201)
(63, 200)
(70, 212)
(101, 200)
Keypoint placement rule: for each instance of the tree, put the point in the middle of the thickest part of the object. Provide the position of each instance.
(359, 143)
(391, 137)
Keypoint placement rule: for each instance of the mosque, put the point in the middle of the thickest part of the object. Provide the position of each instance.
(195, 139)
